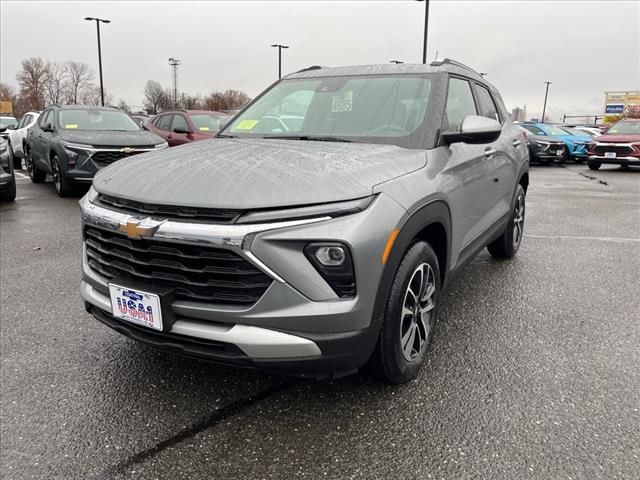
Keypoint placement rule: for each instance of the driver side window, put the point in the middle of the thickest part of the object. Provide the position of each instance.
(460, 104)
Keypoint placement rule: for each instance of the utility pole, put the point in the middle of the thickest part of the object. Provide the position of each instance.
(426, 30)
(98, 21)
(279, 47)
(544, 108)
(174, 63)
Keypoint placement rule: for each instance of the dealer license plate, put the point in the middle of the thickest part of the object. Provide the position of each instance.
(135, 306)
(609, 154)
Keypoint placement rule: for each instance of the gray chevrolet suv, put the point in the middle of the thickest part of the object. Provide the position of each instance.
(316, 233)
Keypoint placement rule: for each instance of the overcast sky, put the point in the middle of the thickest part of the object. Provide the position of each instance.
(583, 47)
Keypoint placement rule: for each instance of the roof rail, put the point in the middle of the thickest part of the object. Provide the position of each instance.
(447, 61)
(312, 67)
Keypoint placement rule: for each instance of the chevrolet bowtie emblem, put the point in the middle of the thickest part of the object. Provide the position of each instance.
(134, 230)
(127, 150)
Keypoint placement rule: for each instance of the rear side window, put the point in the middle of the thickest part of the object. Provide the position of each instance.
(486, 103)
(460, 104)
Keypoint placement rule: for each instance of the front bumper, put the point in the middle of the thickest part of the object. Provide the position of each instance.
(628, 160)
(299, 326)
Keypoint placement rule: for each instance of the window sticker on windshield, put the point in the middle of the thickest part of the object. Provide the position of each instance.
(342, 103)
(71, 125)
(246, 124)
(204, 129)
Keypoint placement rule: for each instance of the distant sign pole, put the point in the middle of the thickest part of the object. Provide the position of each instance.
(98, 20)
(546, 94)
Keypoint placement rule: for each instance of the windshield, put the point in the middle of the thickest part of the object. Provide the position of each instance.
(625, 128)
(207, 123)
(576, 132)
(7, 122)
(93, 119)
(365, 108)
(553, 130)
(533, 129)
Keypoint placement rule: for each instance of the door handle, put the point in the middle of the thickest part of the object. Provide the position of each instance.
(490, 152)
(517, 143)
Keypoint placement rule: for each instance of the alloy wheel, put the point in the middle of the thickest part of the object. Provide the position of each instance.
(518, 220)
(416, 323)
(55, 173)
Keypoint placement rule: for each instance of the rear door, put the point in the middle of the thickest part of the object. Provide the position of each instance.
(38, 140)
(163, 126)
(502, 165)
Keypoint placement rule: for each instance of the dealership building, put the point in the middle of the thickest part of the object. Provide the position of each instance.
(621, 104)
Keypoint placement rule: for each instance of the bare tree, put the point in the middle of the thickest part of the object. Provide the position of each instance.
(122, 105)
(90, 95)
(156, 98)
(79, 78)
(33, 78)
(227, 100)
(56, 83)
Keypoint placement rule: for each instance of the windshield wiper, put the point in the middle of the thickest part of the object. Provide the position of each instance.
(309, 139)
(226, 136)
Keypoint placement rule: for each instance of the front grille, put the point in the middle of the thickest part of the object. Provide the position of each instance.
(209, 215)
(102, 158)
(618, 149)
(203, 274)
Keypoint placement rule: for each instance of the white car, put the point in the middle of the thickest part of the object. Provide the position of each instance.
(17, 137)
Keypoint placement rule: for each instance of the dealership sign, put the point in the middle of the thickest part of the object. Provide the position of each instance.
(614, 109)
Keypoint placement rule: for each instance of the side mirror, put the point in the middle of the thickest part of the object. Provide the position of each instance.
(474, 129)
(11, 127)
(46, 127)
(181, 130)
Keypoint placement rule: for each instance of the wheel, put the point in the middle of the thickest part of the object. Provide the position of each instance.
(593, 164)
(9, 195)
(410, 316)
(36, 175)
(63, 186)
(507, 244)
(17, 162)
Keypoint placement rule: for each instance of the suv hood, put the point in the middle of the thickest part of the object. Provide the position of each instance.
(110, 138)
(256, 173)
(617, 138)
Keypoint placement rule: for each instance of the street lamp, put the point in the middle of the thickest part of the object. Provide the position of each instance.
(98, 20)
(396, 61)
(544, 108)
(426, 28)
(279, 47)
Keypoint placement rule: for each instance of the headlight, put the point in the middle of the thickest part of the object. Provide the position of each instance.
(335, 209)
(161, 145)
(333, 262)
(92, 194)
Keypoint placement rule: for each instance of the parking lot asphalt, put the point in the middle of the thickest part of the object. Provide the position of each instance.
(534, 371)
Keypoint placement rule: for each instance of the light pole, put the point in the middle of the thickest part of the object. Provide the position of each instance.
(98, 20)
(544, 108)
(279, 47)
(426, 29)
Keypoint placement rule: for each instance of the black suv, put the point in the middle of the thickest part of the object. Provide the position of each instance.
(73, 142)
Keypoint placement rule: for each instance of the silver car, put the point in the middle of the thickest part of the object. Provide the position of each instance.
(312, 247)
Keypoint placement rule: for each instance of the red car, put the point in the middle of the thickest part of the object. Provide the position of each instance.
(619, 146)
(184, 126)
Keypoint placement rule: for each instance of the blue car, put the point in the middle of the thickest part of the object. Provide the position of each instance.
(577, 144)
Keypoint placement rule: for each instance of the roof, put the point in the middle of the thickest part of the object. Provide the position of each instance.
(83, 107)
(439, 66)
(201, 112)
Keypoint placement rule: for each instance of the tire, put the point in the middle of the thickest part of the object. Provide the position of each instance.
(593, 164)
(17, 162)
(63, 186)
(508, 244)
(9, 195)
(405, 335)
(36, 175)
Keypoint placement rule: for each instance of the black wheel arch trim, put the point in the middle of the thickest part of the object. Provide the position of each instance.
(435, 211)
